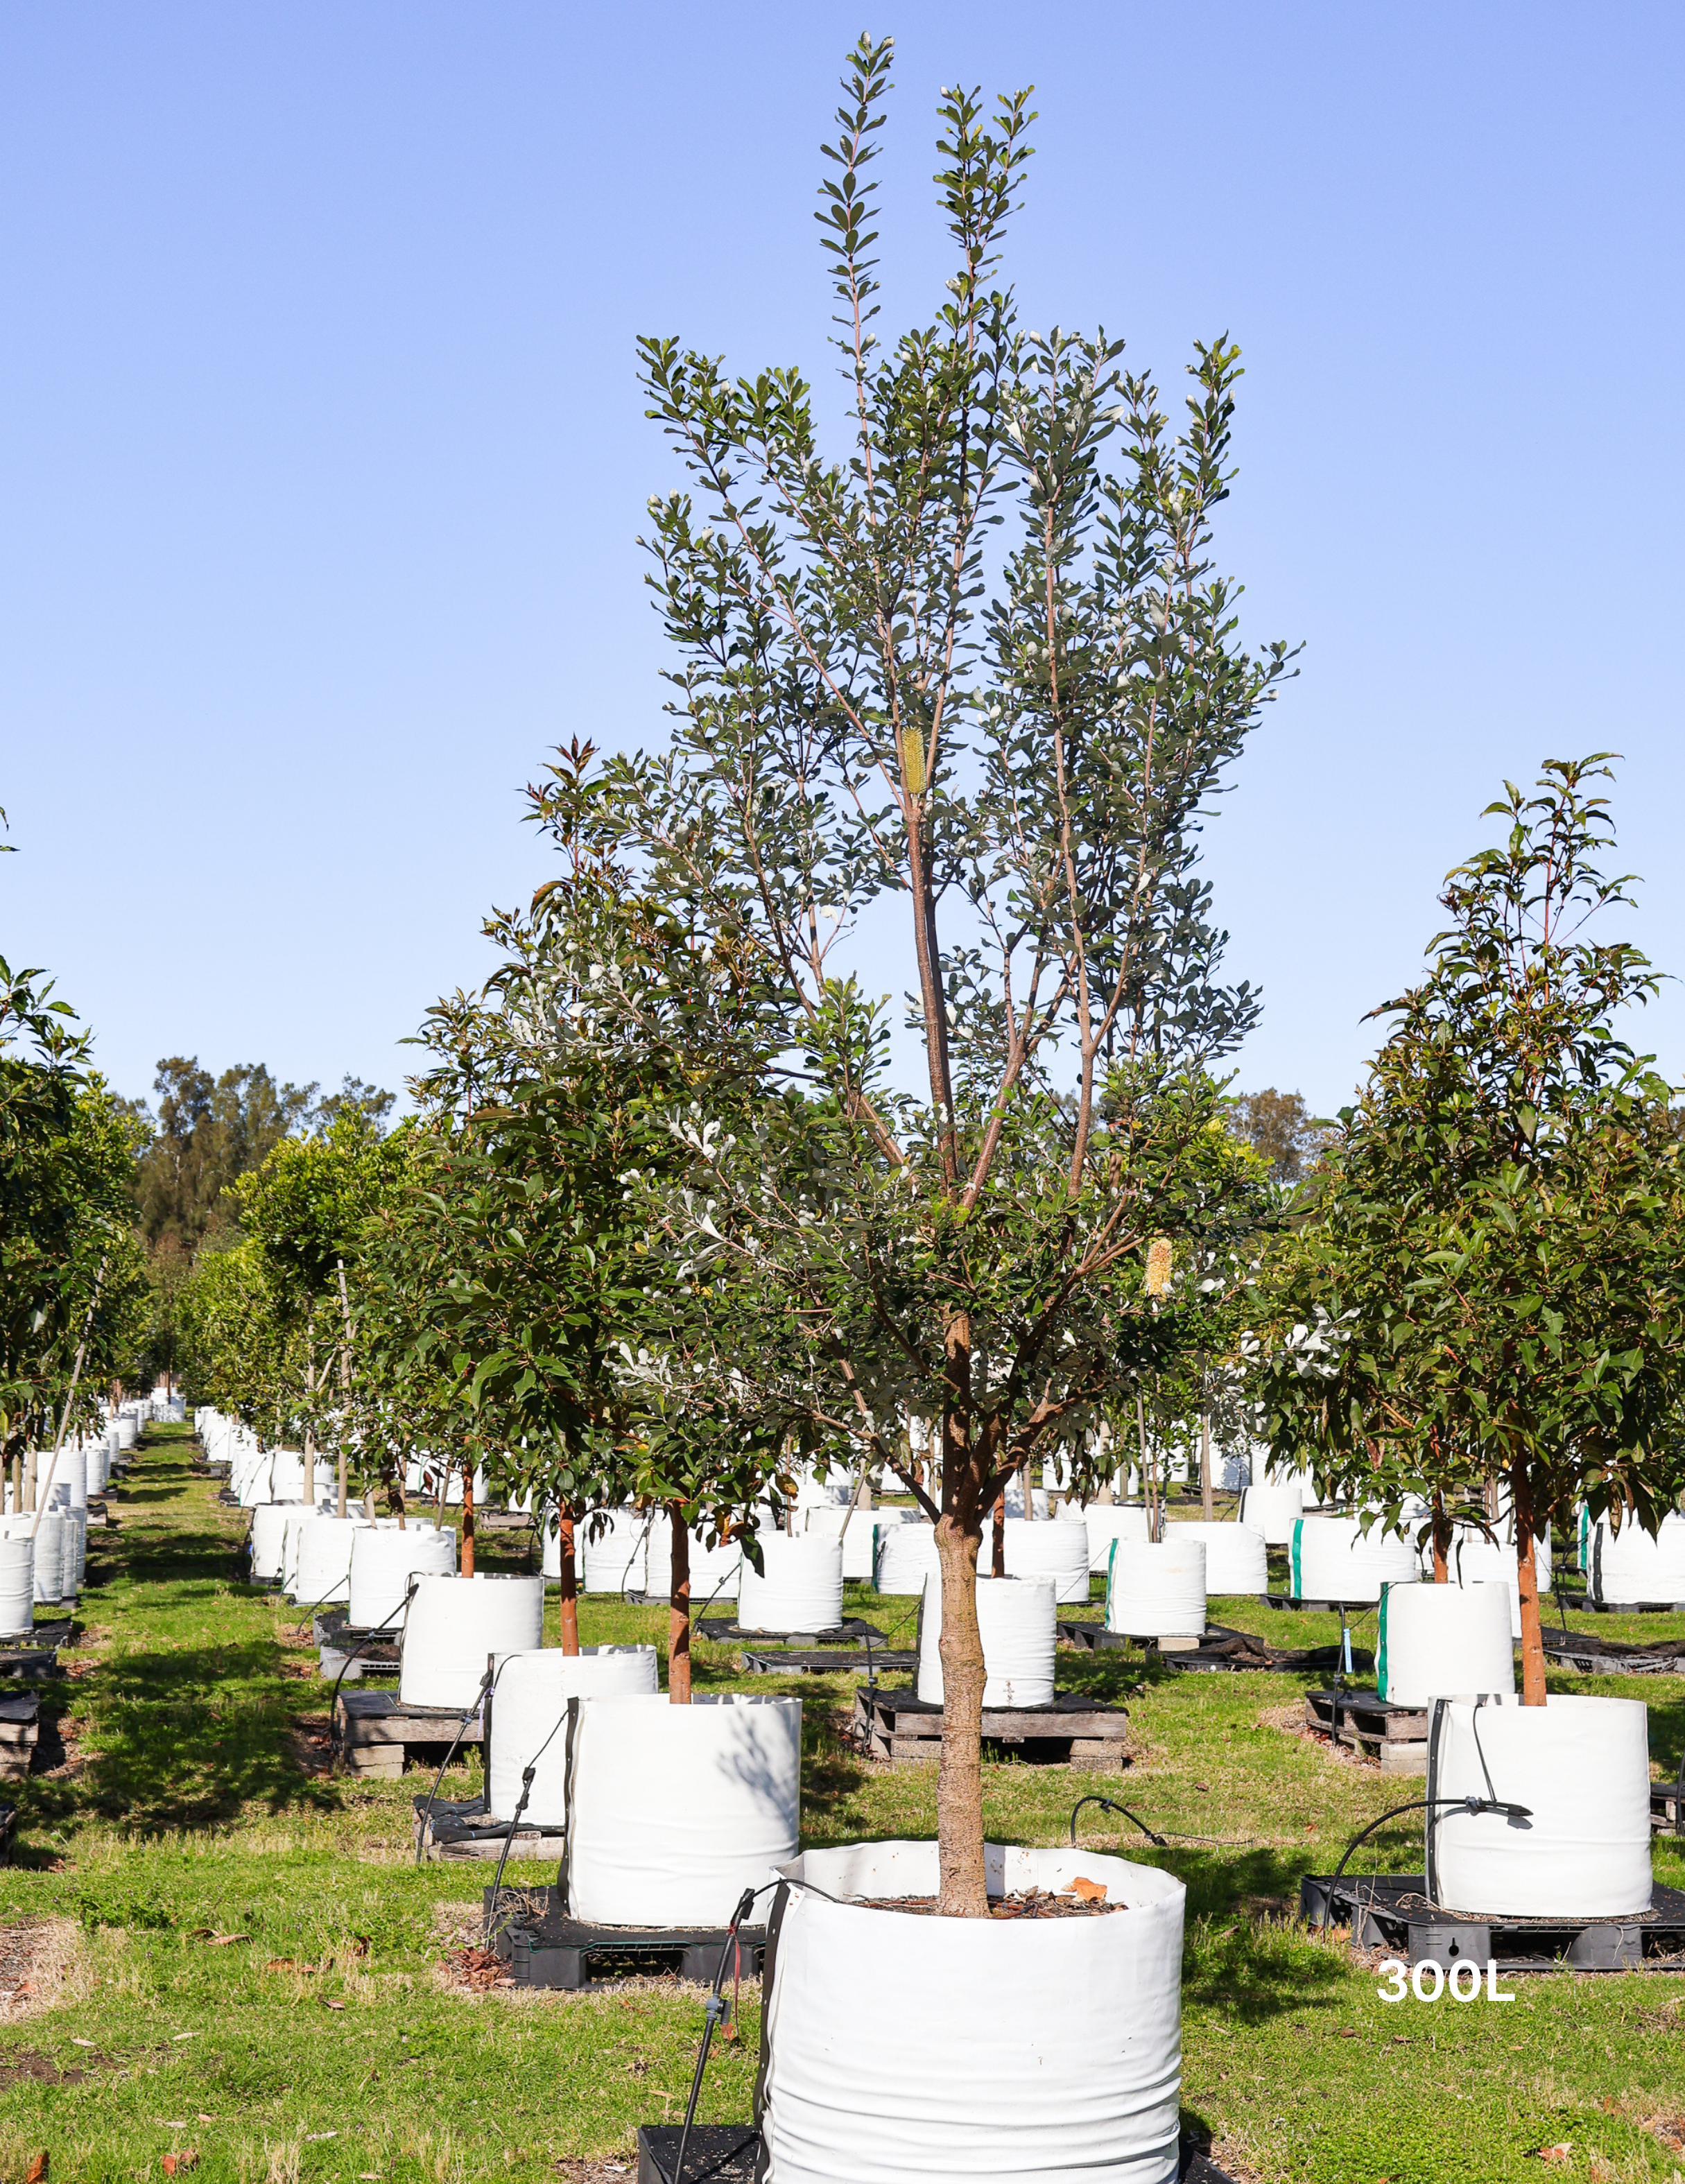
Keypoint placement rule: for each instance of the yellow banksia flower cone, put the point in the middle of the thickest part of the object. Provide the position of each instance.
(1159, 1266)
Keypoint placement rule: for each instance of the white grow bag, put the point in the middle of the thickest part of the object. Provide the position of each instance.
(675, 1810)
(826, 1523)
(1157, 1590)
(611, 1549)
(269, 1537)
(324, 1558)
(1070, 2068)
(1476, 1560)
(1102, 1522)
(529, 1726)
(17, 1583)
(1629, 1568)
(1048, 1549)
(49, 1557)
(1334, 1559)
(1442, 1641)
(455, 1623)
(715, 1572)
(801, 1588)
(383, 1562)
(1582, 1766)
(1015, 1618)
(1273, 1511)
(1236, 1558)
(906, 1555)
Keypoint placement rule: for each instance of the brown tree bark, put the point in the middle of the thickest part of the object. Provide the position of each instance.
(467, 1520)
(394, 1500)
(678, 1619)
(1441, 1541)
(570, 1591)
(959, 1782)
(1533, 1635)
(997, 1565)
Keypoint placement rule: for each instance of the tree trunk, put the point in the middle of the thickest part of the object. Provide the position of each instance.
(1441, 1541)
(394, 1500)
(468, 1520)
(678, 1618)
(570, 1591)
(959, 1784)
(344, 1383)
(1532, 1636)
(1205, 1509)
(997, 1565)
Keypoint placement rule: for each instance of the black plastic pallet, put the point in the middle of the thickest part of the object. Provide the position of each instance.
(1634, 1606)
(851, 1631)
(816, 1662)
(1285, 1599)
(1221, 1650)
(726, 2154)
(545, 1949)
(8, 1832)
(1591, 1656)
(1393, 1911)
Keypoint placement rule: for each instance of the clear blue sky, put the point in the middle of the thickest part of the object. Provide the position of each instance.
(321, 458)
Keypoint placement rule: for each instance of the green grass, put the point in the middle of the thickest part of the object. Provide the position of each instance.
(190, 1809)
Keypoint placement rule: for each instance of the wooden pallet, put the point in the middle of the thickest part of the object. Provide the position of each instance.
(1393, 1911)
(730, 2153)
(19, 1727)
(822, 1662)
(1588, 1655)
(448, 1828)
(1364, 1722)
(1072, 1732)
(543, 1947)
(376, 1733)
(1220, 1649)
(851, 1631)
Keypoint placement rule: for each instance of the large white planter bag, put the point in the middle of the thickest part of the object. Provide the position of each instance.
(611, 1550)
(73, 1557)
(528, 1723)
(1582, 1767)
(324, 1558)
(1069, 2070)
(1438, 1641)
(1102, 1522)
(799, 1588)
(1631, 1566)
(1273, 1511)
(715, 1572)
(1157, 1588)
(293, 1541)
(383, 1562)
(1474, 1560)
(1236, 1558)
(128, 1433)
(1039, 1502)
(1334, 1559)
(17, 1583)
(905, 1557)
(1048, 1549)
(269, 1535)
(69, 1489)
(455, 1623)
(49, 1557)
(675, 1810)
(827, 1522)
(1015, 1620)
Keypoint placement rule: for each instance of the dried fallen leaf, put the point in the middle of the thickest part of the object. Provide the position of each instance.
(1088, 1891)
(1348, 2032)
(203, 2118)
(1558, 2152)
(37, 2171)
(222, 1941)
(333, 2004)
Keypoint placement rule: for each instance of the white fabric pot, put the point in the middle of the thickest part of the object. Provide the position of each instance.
(715, 1572)
(1048, 1549)
(528, 1725)
(70, 1477)
(1273, 1511)
(906, 1555)
(268, 1536)
(49, 1557)
(801, 1587)
(675, 1810)
(304, 1513)
(1476, 1560)
(1631, 1566)
(1102, 1522)
(1334, 1559)
(1069, 2070)
(1582, 1767)
(1157, 1588)
(615, 1559)
(128, 1433)
(72, 1559)
(826, 1523)
(17, 1583)
(455, 1623)
(324, 1558)
(1236, 1558)
(1440, 1641)
(383, 1559)
(1015, 1618)
(1039, 1502)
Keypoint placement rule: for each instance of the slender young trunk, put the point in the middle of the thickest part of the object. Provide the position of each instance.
(1028, 1490)
(997, 1565)
(959, 1784)
(1441, 1541)
(29, 1480)
(468, 1519)
(570, 1591)
(1205, 1503)
(1532, 1636)
(344, 1382)
(310, 1412)
(394, 1500)
(678, 1617)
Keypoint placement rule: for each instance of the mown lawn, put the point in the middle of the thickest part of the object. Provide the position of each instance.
(236, 1955)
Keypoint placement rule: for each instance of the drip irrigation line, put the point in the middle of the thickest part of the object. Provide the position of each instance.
(1166, 1841)
(526, 1774)
(1472, 1806)
(333, 1703)
(712, 2016)
(450, 1752)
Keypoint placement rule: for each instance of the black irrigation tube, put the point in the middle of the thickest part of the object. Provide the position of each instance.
(450, 1752)
(715, 2011)
(1470, 1805)
(1111, 1805)
(569, 1714)
(333, 1703)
